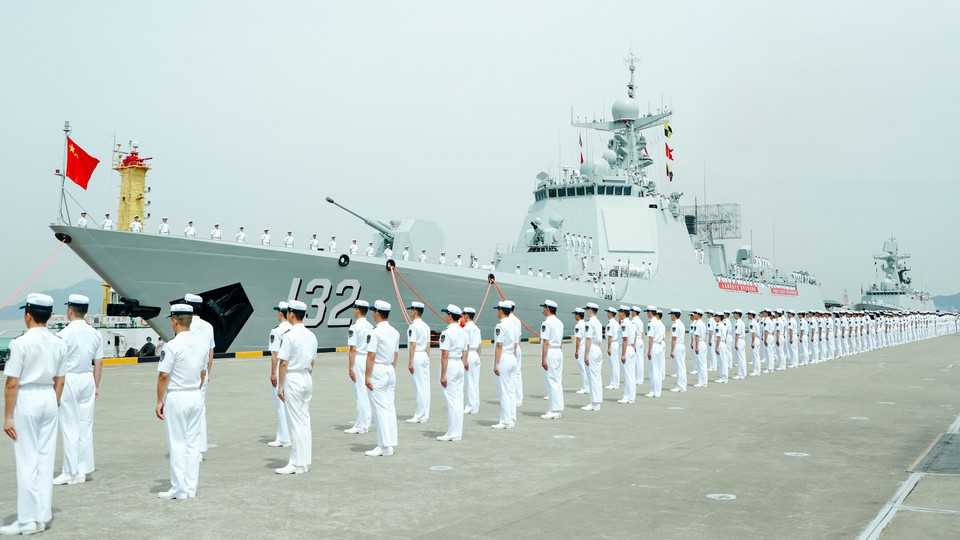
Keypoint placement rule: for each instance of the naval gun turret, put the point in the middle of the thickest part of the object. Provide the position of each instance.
(416, 234)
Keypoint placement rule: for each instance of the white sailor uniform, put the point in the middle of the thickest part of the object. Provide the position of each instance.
(383, 341)
(84, 347)
(184, 358)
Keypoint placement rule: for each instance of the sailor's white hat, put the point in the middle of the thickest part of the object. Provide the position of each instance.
(180, 309)
(504, 304)
(470, 310)
(452, 309)
(192, 299)
(282, 306)
(549, 303)
(39, 301)
(361, 304)
(415, 304)
(78, 299)
(297, 305)
(382, 306)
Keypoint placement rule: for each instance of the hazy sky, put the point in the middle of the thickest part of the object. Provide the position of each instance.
(834, 120)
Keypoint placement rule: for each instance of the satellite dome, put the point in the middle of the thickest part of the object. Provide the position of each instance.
(600, 167)
(625, 109)
(610, 157)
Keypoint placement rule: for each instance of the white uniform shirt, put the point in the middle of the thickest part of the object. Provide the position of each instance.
(276, 336)
(710, 336)
(190, 232)
(265, 239)
(136, 226)
(299, 348)
(739, 328)
(203, 330)
(422, 257)
(678, 330)
(506, 334)
(755, 330)
(473, 335)
(37, 357)
(354, 248)
(552, 329)
(792, 325)
(769, 326)
(578, 331)
(369, 251)
(288, 241)
(721, 332)
(82, 222)
(593, 332)
(657, 331)
(453, 339)
(458, 262)
(442, 260)
(386, 253)
(107, 224)
(314, 245)
(628, 330)
(84, 345)
(164, 228)
(418, 335)
(357, 336)
(241, 237)
(613, 330)
(384, 341)
(184, 357)
(216, 234)
(638, 322)
(332, 246)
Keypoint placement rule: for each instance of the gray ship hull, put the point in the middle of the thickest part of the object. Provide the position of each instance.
(159, 269)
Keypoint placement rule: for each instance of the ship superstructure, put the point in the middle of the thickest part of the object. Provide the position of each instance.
(895, 290)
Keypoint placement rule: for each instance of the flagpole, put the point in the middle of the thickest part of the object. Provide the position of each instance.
(63, 175)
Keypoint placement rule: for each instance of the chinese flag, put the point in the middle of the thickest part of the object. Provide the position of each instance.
(80, 165)
(669, 152)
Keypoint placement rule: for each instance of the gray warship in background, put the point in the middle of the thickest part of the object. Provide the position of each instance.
(646, 247)
(895, 291)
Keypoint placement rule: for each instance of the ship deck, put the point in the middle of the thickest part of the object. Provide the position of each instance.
(858, 424)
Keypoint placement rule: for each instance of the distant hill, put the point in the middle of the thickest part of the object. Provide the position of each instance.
(91, 288)
(948, 302)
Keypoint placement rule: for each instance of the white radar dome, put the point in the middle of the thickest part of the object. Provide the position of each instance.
(601, 168)
(625, 109)
(610, 157)
(587, 168)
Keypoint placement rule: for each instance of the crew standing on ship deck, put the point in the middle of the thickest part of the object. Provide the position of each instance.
(265, 237)
(353, 248)
(35, 372)
(137, 225)
(241, 236)
(164, 228)
(332, 244)
(288, 240)
(369, 251)
(282, 440)
(418, 347)
(82, 222)
(314, 244)
(297, 354)
(216, 233)
(204, 331)
(190, 231)
(182, 370)
(357, 366)
(80, 391)
(471, 379)
(453, 363)
(551, 359)
(383, 348)
(107, 223)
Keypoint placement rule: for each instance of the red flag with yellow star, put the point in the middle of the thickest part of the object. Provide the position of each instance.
(80, 165)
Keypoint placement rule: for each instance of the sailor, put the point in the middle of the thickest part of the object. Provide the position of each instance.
(590, 245)
(475, 263)
(813, 335)
(614, 340)
(551, 359)
(655, 342)
(164, 227)
(603, 266)
(458, 262)
(216, 233)
(369, 251)
(136, 225)
(80, 391)
(332, 244)
(288, 240)
(423, 256)
(82, 222)
(517, 271)
(756, 342)
(613, 290)
(34, 382)
(639, 343)
(592, 358)
(698, 342)
(740, 344)
(605, 291)
(357, 366)
(678, 351)
(530, 271)
(405, 255)
(804, 338)
(540, 272)
(282, 440)
(353, 248)
(720, 348)
(190, 231)
(769, 328)
(265, 237)
(182, 368)
(728, 342)
(506, 341)
(711, 325)
(471, 379)
(443, 258)
(548, 275)
(204, 331)
(297, 354)
(388, 253)
(628, 355)
(793, 338)
(314, 244)
(518, 381)
(383, 348)
(107, 223)
(780, 325)
(241, 236)
(578, 343)
(453, 363)
(418, 363)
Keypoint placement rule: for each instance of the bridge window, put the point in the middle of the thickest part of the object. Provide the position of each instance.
(626, 190)
(571, 191)
(580, 191)
(589, 190)
(619, 190)
(553, 193)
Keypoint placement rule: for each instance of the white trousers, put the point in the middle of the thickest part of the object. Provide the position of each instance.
(782, 354)
(793, 348)
(35, 417)
(656, 369)
(582, 368)
(701, 363)
(641, 361)
(383, 404)
(76, 423)
(741, 351)
(298, 391)
(680, 365)
(518, 380)
(421, 384)
(769, 348)
(553, 377)
(203, 413)
(805, 350)
(453, 397)
(629, 367)
(505, 391)
(613, 359)
(471, 382)
(712, 354)
(596, 380)
(283, 434)
(182, 412)
(360, 392)
(723, 361)
(757, 357)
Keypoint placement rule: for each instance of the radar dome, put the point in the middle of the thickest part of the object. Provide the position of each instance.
(610, 157)
(625, 109)
(600, 167)
(587, 168)
(556, 220)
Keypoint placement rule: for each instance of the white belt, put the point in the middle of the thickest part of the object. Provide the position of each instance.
(35, 386)
(79, 373)
(169, 390)
(298, 371)
(473, 350)
(557, 348)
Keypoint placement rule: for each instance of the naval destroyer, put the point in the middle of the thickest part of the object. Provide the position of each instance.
(895, 291)
(606, 227)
